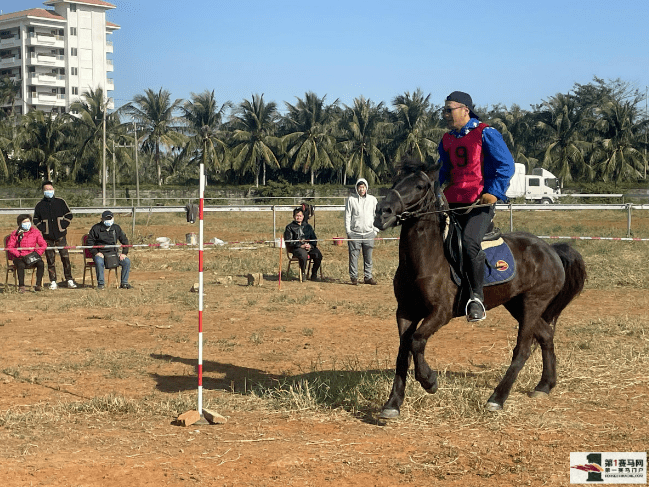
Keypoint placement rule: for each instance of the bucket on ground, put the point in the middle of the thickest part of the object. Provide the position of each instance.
(164, 242)
(278, 242)
(338, 241)
(191, 238)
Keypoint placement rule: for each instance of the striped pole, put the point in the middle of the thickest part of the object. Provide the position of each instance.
(200, 292)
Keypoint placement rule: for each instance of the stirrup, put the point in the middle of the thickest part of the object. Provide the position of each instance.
(466, 310)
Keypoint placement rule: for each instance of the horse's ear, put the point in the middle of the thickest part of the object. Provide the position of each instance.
(433, 164)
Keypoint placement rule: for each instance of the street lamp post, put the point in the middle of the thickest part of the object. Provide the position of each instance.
(137, 168)
(103, 163)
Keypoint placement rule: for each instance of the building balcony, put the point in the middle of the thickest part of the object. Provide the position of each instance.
(109, 65)
(109, 46)
(49, 79)
(46, 99)
(9, 61)
(47, 59)
(41, 39)
(12, 41)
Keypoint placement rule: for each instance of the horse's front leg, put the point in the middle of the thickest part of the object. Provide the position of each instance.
(423, 373)
(392, 408)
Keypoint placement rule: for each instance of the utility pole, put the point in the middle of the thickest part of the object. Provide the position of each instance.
(103, 163)
(137, 168)
(114, 171)
(646, 116)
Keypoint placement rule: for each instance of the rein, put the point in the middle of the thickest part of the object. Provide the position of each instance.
(407, 214)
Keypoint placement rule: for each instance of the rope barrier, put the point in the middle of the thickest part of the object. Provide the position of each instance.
(166, 245)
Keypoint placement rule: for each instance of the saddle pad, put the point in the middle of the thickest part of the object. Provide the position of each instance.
(500, 266)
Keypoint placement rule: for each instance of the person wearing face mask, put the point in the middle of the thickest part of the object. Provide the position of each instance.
(23, 241)
(108, 233)
(52, 216)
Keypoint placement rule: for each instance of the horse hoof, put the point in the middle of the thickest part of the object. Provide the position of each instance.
(389, 413)
(538, 394)
(431, 390)
(494, 406)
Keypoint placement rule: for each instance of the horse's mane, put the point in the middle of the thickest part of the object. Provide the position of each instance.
(411, 165)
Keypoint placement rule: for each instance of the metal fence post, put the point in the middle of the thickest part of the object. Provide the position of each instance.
(133, 231)
(628, 220)
(511, 218)
(274, 224)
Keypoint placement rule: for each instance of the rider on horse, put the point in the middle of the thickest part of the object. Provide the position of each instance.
(477, 167)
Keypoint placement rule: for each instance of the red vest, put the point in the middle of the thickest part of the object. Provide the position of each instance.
(466, 179)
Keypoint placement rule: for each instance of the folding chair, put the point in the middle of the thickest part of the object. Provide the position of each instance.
(12, 268)
(309, 264)
(89, 263)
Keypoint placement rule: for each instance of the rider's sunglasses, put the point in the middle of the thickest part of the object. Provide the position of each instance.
(447, 110)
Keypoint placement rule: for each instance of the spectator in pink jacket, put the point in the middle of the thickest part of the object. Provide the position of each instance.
(22, 242)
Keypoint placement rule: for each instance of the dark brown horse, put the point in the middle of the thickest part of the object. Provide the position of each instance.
(547, 278)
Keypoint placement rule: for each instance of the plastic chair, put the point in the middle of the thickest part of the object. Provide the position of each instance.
(309, 263)
(12, 268)
(89, 263)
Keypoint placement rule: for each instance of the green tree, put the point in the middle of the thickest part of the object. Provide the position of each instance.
(311, 143)
(363, 130)
(90, 111)
(253, 138)
(416, 135)
(615, 156)
(517, 128)
(563, 122)
(155, 113)
(44, 141)
(207, 140)
(9, 91)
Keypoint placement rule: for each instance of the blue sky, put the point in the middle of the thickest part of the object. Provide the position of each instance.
(498, 51)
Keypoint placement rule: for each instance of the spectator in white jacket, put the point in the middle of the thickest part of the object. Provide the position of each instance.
(359, 225)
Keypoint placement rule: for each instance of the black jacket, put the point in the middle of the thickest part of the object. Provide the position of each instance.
(295, 231)
(100, 234)
(52, 216)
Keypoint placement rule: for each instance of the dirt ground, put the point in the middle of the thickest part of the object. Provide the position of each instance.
(67, 347)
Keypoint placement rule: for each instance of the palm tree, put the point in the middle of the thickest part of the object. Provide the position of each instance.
(311, 144)
(562, 121)
(415, 133)
(159, 126)
(90, 111)
(9, 91)
(44, 141)
(6, 139)
(517, 129)
(363, 129)
(253, 137)
(203, 117)
(615, 156)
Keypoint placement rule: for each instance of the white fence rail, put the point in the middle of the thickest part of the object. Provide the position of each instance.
(511, 208)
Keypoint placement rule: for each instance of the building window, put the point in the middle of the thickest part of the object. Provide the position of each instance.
(74, 71)
(73, 51)
(73, 7)
(75, 90)
(73, 31)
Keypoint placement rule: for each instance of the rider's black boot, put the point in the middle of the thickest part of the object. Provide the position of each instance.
(475, 310)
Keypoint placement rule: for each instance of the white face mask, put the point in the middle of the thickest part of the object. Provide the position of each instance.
(108, 223)
(49, 193)
(26, 226)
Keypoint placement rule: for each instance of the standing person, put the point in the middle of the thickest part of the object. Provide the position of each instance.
(359, 225)
(107, 232)
(304, 244)
(52, 216)
(477, 167)
(30, 239)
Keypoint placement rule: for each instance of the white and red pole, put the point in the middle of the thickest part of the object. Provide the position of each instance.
(200, 290)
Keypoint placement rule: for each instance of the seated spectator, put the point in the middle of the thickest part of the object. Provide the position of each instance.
(22, 242)
(108, 233)
(301, 241)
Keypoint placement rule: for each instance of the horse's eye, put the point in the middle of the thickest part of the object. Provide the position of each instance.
(420, 186)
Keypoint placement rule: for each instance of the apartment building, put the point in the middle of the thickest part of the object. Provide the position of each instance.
(58, 53)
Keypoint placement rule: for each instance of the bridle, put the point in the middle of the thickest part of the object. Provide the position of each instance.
(407, 214)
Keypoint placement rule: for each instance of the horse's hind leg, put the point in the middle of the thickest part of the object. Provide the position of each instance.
(392, 408)
(521, 354)
(545, 336)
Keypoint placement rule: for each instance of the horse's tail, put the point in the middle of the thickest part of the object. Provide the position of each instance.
(575, 270)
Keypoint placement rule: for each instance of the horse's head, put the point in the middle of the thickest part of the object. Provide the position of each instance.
(408, 198)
